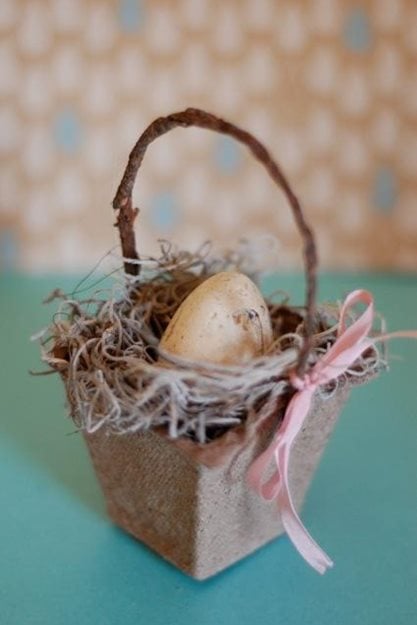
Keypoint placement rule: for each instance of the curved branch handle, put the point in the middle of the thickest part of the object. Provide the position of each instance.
(126, 214)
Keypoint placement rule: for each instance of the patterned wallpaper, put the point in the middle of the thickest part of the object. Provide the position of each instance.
(329, 85)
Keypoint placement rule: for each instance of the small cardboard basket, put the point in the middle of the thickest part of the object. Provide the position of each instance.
(189, 499)
(202, 518)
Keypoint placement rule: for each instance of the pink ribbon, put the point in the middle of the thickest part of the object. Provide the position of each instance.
(351, 342)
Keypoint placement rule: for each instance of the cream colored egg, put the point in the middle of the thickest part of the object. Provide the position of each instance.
(225, 320)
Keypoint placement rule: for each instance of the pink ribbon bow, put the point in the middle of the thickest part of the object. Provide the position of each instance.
(351, 342)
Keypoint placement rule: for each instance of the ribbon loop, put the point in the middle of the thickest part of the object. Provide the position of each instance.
(351, 342)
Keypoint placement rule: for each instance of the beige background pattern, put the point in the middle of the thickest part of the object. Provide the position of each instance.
(329, 86)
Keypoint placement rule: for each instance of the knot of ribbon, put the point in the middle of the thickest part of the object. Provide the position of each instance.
(351, 341)
(308, 383)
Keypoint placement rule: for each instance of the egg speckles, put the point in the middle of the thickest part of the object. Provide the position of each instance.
(225, 320)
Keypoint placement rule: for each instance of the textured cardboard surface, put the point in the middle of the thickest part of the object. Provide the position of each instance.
(200, 518)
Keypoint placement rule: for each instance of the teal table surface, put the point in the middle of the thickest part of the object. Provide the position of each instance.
(62, 561)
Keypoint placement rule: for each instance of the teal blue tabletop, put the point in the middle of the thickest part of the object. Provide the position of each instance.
(62, 562)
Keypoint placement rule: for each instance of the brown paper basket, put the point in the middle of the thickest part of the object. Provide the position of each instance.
(190, 502)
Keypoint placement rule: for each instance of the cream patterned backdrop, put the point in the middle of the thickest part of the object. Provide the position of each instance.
(329, 85)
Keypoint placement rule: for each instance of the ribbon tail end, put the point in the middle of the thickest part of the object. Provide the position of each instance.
(322, 567)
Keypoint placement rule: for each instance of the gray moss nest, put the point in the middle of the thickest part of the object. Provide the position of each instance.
(105, 348)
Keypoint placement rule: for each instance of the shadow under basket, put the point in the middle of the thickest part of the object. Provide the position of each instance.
(203, 518)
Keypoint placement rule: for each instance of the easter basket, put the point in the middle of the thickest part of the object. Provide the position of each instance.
(205, 461)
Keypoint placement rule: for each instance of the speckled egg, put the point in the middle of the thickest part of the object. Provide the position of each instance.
(225, 320)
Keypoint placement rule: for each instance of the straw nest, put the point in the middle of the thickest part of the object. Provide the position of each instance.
(106, 350)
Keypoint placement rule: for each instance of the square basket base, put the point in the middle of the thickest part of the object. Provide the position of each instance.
(202, 519)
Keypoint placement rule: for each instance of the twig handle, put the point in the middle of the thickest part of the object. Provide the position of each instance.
(126, 214)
